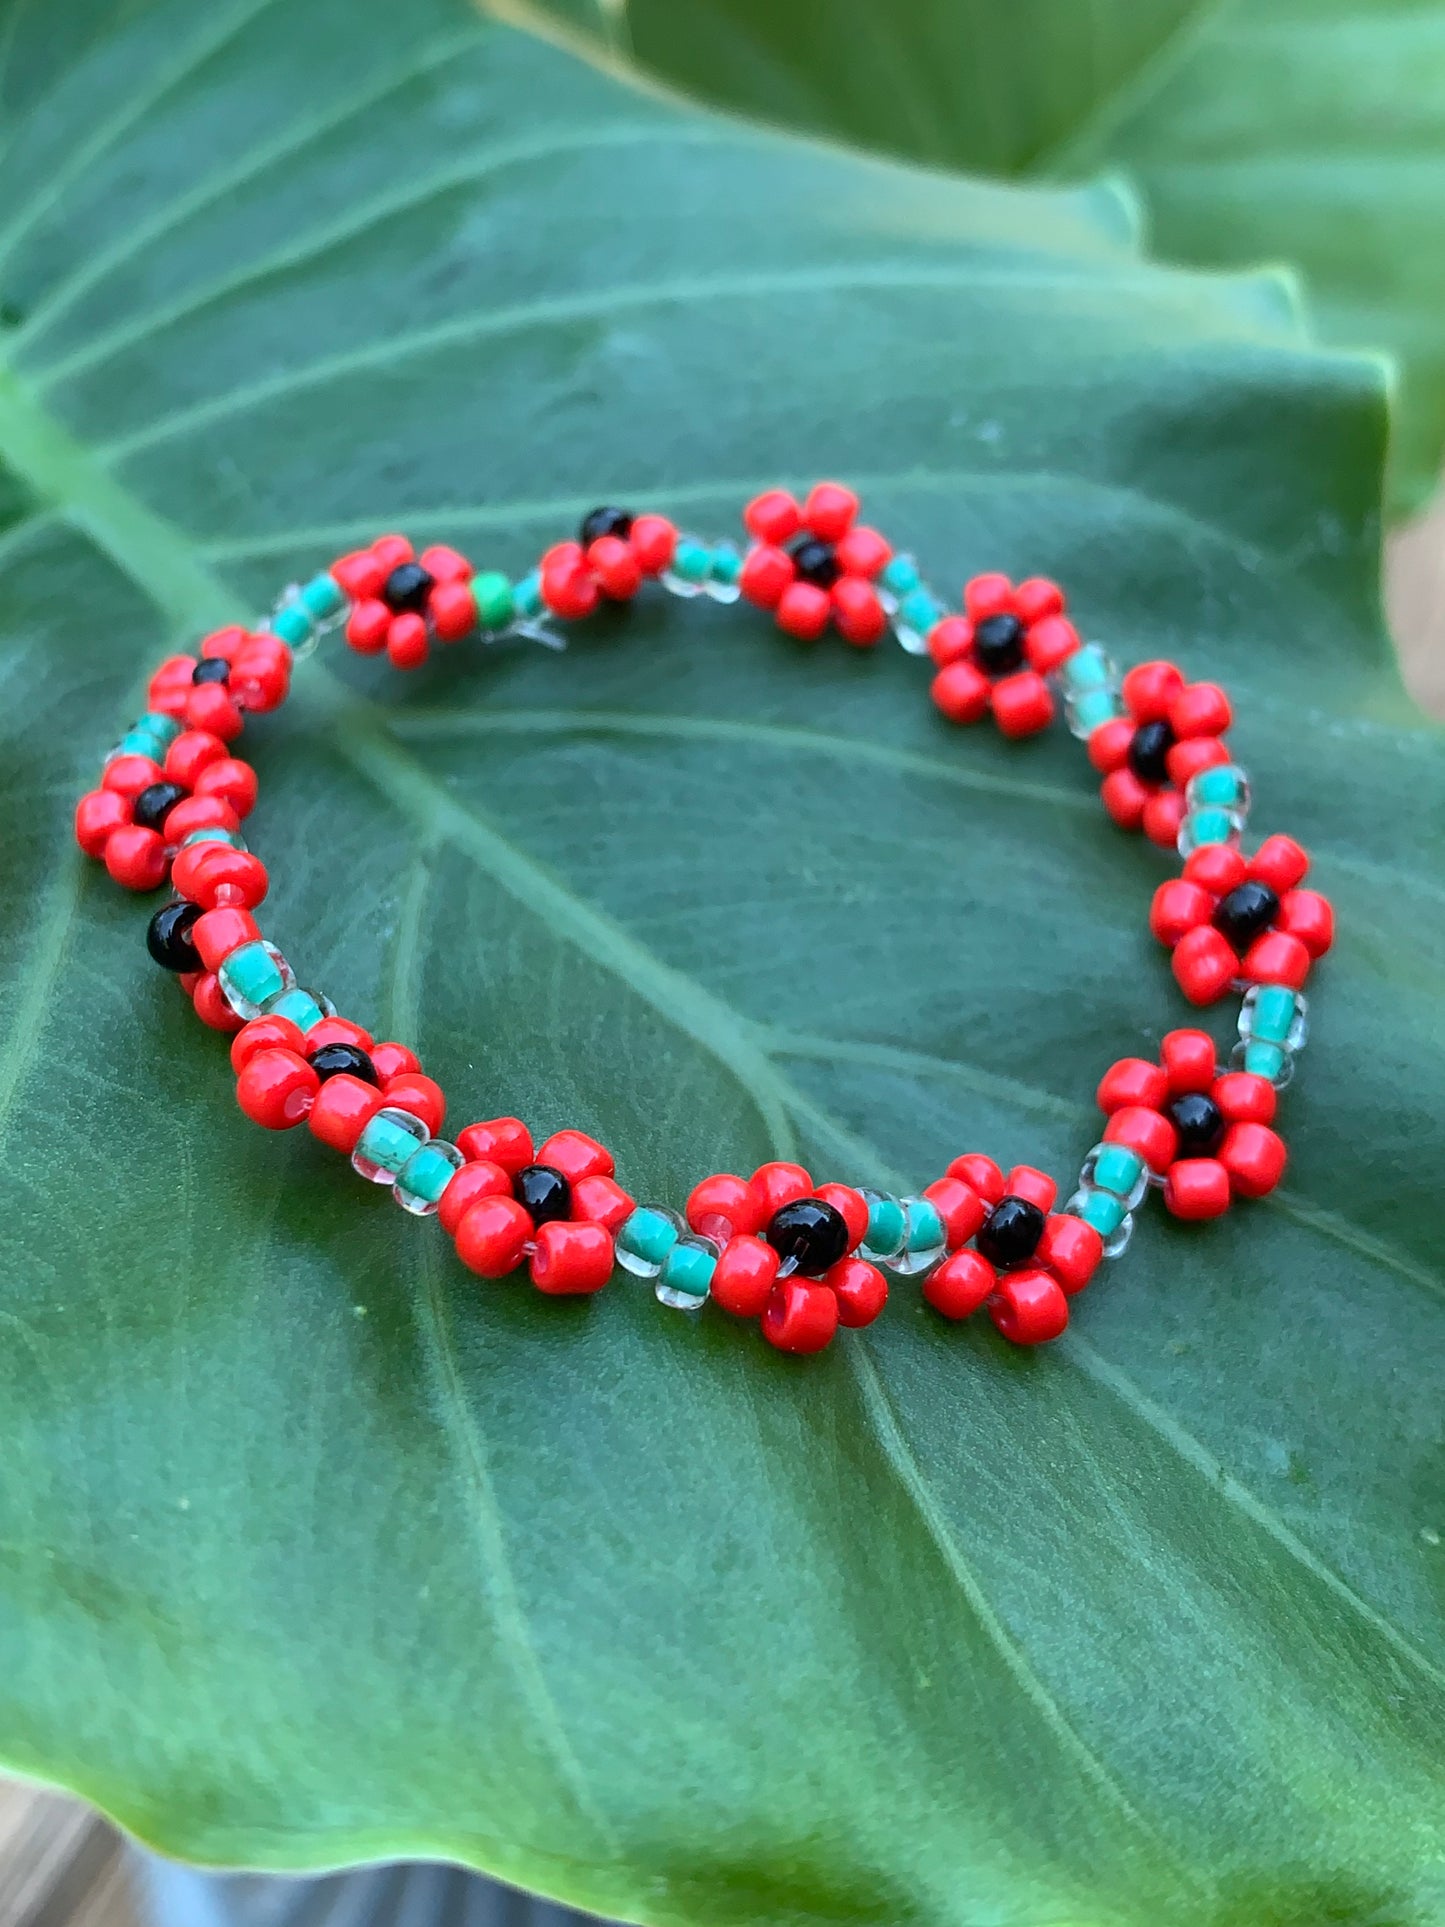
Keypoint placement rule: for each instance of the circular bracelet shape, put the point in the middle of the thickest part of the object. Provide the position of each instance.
(798, 1257)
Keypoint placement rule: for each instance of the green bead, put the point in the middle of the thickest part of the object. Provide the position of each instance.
(691, 561)
(323, 596)
(299, 1005)
(648, 1235)
(427, 1173)
(727, 565)
(214, 834)
(1223, 785)
(688, 1270)
(887, 1226)
(925, 1227)
(1210, 826)
(293, 623)
(900, 575)
(1117, 1169)
(386, 1143)
(527, 596)
(492, 593)
(250, 975)
(1104, 1212)
(1264, 1060)
(164, 728)
(1097, 706)
(1273, 1014)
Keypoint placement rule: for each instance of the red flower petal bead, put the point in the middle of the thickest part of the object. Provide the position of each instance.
(617, 571)
(777, 1184)
(276, 1089)
(261, 676)
(958, 1286)
(1108, 746)
(481, 1179)
(1244, 1098)
(367, 626)
(1200, 709)
(1023, 704)
(654, 541)
(129, 775)
(1149, 689)
(265, 1033)
(1307, 915)
(342, 1109)
(830, 511)
(745, 1274)
(803, 611)
(1188, 1059)
(987, 595)
(407, 644)
(950, 639)
(1037, 1187)
(1050, 642)
(1197, 1188)
(216, 933)
(1280, 862)
(1071, 1250)
(1029, 1307)
(190, 753)
(390, 1060)
(1216, 867)
(722, 1206)
(1133, 1080)
(860, 1289)
(360, 574)
(960, 1207)
(1124, 797)
(1163, 814)
(773, 517)
(1179, 906)
(961, 692)
(1277, 958)
(230, 779)
(1037, 598)
(505, 1140)
(210, 706)
(862, 551)
(766, 573)
(200, 813)
(1148, 1132)
(453, 610)
(97, 814)
(1204, 965)
(568, 588)
(571, 1259)
(1187, 758)
(601, 1201)
(336, 1030)
(422, 1096)
(445, 564)
(980, 1174)
(858, 615)
(211, 1006)
(493, 1236)
(1255, 1157)
(576, 1155)
(801, 1315)
(851, 1206)
(135, 857)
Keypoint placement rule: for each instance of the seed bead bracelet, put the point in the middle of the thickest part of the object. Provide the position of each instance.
(801, 1258)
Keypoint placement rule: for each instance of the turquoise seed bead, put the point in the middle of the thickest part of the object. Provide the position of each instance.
(251, 975)
(1117, 1169)
(648, 1235)
(139, 742)
(919, 610)
(293, 623)
(1223, 786)
(691, 561)
(1088, 668)
(527, 596)
(299, 1005)
(1264, 1060)
(1273, 1015)
(323, 596)
(727, 564)
(687, 1270)
(164, 728)
(387, 1143)
(492, 593)
(900, 575)
(214, 834)
(925, 1227)
(887, 1226)
(1095, 707)
(426, 1174)
(1210, 826)
(1104, 1212)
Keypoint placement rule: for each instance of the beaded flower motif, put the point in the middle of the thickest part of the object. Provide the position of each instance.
(1230, 917)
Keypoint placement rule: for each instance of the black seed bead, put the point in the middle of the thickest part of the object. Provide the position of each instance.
(1010, 1234)
(155, 803)
(1199, 1122)
(814, 561)
(1148, 748)
(998, 642)
(332, 1059)
(211, 669)
(605, 521)
(407, 588)
(1245, 913)
(545, 1192)
(168, 936)
(811, 1233)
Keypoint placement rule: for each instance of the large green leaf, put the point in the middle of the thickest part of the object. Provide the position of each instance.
(313, 1548)
(1308, 131)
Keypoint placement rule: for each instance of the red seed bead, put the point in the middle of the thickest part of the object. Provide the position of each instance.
(360, 574)
(1029, 1307)
(1037, 598)
(135, 857)
(617, 570)
(746, 1271)
(390, 1060)
(445, 564)
(862, 551)
(127, 776)
(216, 933)
(336, 1030)
(1125, 797)
(1163, 814)
(391, 551)
(654, 542)
(493, 1236)
(851, 1206)
(367, 626)
(210, 706)
(1307, 915)
(276, 1089)
(1197, 1188)
(214, 875)
(803, 611)
(265, 1033)
(1179, 906)
(859, 616)
(722, 1206)
(221, 645)
(1277, 958)
(174, 672)
(766, 573)
(1037, 1187)
(482, 1179)
(860, 1289)
(960, 1207)
(1185, 759)
(422, 1096)
(232, 780)
(958, 1286)
(962, 692)
(1133, 1080)
(190, 753)
(1244, 1098)
(1280, 862)
(1050, 642)
(567, 585)
(505, 1140)
(1148, 1132)
(407, 644)
(1216, 868)
(1255, 1157)
(777, 1184)
(980, 1174)
(950, 639)
(1188, 1058)
(773, 517)
(571, 1258)
(342, 1109)
(576, 1155)
(261, 675)
(1149, 689)
(453, 610)
(1200, 709)
(211, 1006)
(97, 814)
(988, 595)
(1108, 745)
(1071, 1250)
(1023, 704)
(830, 511)
(199, 813)
(601, 1201)
(1204, 965)
(801, 1315)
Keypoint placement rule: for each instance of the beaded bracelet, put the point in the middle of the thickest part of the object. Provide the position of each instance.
(799, 1257)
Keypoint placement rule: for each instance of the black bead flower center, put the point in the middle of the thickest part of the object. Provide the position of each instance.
(1199, 1122)
(406, 589)
(1149, 751)
(544, 1192)
(168, 936)
(212, 669)
(1010, 1234)
(998, 642)
(605, 521)
(811, 1233)
(334, 1059)
(814, 561)
(155, 803)
(1245, 914)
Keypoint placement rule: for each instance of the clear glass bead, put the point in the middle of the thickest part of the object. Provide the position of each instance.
(1106, 1213)
(392, 1136)
(1204, 827)
(914, 618)
(1118, 1170)
(1274, 1024)
(252, 975)
(690, 570)
(686, 1275)
(425, 1175)
(925, 1240)
(213, 833)
(1089, 684)
(723, 582)
(645, 1239)
(1222, 786)
(305, 1008)
(887, 1231)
